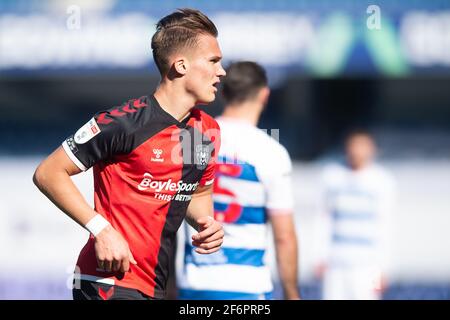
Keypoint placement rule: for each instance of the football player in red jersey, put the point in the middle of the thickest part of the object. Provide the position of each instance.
(153, 162)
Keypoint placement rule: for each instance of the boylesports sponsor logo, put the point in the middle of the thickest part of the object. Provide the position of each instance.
(159, 187)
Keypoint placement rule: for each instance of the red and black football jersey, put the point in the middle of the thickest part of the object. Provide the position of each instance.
(146, 167)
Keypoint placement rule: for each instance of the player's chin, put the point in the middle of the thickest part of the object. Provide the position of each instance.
(206, 99)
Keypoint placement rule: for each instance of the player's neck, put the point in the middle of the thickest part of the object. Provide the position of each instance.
(175, 102)
(246, 112)
(358, 167)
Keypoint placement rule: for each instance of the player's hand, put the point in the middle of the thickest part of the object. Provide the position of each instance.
(112, 251)
(210, 235)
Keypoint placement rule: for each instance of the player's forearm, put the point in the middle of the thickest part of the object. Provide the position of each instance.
(57, 185)
(197, 211)
(191, 221)
(201, 205)
(287, 256)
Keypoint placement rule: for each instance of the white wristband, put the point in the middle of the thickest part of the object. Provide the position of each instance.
(97, 224)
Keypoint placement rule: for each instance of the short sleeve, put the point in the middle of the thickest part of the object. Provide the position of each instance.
(98, 140)
(277, 179)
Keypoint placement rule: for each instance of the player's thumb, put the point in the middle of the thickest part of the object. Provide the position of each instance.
(130, 255)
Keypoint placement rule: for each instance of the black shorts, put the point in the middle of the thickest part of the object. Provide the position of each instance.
(89, 290)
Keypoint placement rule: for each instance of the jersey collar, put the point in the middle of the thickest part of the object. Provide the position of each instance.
(167, 115)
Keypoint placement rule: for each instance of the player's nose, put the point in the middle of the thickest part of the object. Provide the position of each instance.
(221, 72)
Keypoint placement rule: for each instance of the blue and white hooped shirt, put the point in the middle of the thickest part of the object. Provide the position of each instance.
(253, 174)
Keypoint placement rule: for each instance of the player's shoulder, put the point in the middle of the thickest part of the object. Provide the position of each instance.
(207, 121)
(275, 147)
(383, 175)
(253, 145)
(334, 172)
(336, 167)
(262, 141)
(270, 150)
(126, 116)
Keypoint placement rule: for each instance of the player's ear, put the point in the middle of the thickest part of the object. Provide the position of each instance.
(264, 94)
(180, 65)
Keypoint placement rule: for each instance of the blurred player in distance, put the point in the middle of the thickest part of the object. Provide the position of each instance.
(143, 190)
(252, 187)
(355, 226)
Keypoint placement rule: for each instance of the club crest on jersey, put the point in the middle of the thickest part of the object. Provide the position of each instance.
(202, 154)
(157, 157)
(87, 132)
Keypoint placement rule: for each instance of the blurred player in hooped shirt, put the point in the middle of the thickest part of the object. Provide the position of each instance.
(252, 187)
(358, 199)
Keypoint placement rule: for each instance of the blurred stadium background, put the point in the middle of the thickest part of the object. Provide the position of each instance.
(61, 61)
